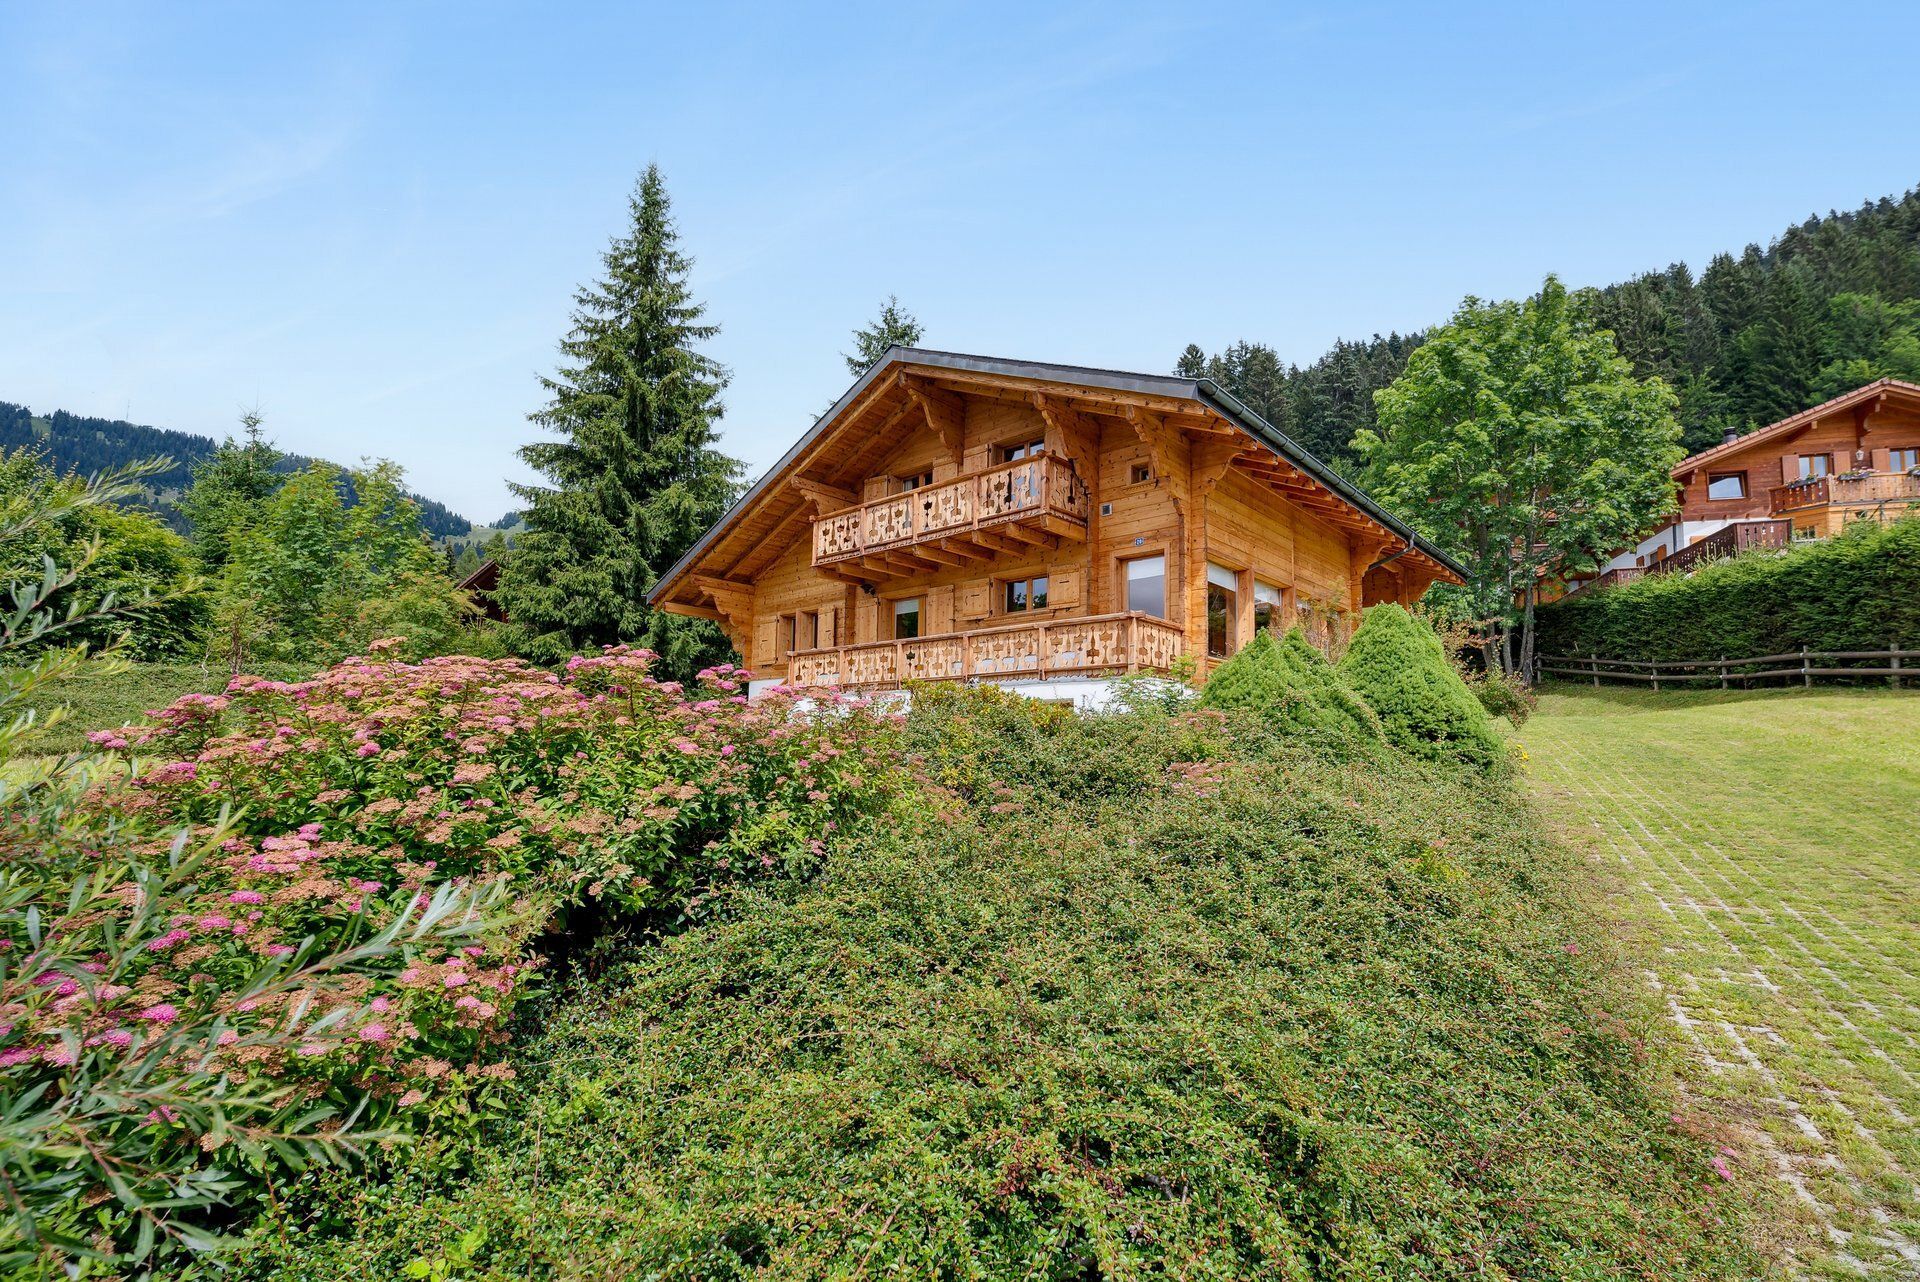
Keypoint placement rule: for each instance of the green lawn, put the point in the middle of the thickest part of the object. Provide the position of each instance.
(1770, 842)
(98, 699)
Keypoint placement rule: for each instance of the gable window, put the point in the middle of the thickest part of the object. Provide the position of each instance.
(920, 481)
(1267, 611)
(1815, 465)
(1139, 474)
(1025, 449)
(1903, 460)
(1223, 609)
(906, 619)
(1026, 594)
(1727, 485)
(1146, 578)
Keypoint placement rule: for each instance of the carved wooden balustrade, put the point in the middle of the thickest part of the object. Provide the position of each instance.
(1100, 644)
(1040, 497)
(1871, 490)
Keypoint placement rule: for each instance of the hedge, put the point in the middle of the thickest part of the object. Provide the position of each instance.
(1858, 591)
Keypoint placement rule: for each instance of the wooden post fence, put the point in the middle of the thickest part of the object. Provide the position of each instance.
(1805, 664)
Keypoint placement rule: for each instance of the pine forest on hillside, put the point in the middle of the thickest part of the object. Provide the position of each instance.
(1834, 302)
(78, 443)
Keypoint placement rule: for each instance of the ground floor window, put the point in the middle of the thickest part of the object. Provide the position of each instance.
(1223, 609)
(1268, 612)
(1026, 594)
(906, 619)
(1146, 578)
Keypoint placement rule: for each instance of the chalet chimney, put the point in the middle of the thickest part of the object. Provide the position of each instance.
(1729, 436)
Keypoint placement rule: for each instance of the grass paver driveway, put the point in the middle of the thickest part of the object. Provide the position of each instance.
(1770, 841)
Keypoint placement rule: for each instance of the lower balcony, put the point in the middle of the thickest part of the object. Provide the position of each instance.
(1097, 645)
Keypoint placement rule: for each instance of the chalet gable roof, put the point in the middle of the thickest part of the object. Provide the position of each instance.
(1098, 390)
(1871, 395)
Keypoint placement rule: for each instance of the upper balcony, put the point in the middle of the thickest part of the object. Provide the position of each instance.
(983, 516)
(1873, 489)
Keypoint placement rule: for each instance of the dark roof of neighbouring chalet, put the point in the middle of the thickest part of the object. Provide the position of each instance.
(1200, 391)
(1805, 418)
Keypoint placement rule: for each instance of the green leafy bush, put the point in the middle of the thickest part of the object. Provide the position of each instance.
(1255, 1012)
(1503, 695)
(1857, 591)
(122, 558)
(1396, 663)
(1292, 683)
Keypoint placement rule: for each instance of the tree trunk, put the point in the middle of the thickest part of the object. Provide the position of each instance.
(1526, 638)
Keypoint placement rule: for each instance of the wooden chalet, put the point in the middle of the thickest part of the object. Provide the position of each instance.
(959, 517)
(1855, 457)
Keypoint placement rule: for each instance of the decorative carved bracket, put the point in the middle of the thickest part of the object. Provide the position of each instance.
(823, 498)
(734, 601)
(1211, 459)
(1156, 436)
(945, 412)
(1066, 428)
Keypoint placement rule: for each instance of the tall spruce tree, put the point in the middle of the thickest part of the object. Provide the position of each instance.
(635, 477)
(894, 324)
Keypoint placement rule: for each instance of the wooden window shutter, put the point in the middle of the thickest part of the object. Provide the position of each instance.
(1883, 460)
(1789, 468)
(973, 601)
(763, 643)
(866, 620)
(939, 611)
(829, 626)
(1065, 589)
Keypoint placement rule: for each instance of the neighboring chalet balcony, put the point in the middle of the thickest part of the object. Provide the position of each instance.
(982, 516)
(1096, 645)
(1885, 490)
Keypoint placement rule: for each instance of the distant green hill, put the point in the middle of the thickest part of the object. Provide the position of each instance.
(76, 443)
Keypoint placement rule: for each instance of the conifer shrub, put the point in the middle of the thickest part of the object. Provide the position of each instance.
(1857, 591)
(1215, 1004)
(1397, 664)
(1291, 683)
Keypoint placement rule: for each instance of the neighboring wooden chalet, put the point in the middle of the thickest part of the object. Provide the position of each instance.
(1855, 457)
(960, 517)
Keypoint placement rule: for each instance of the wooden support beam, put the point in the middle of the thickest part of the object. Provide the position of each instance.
(733, 606)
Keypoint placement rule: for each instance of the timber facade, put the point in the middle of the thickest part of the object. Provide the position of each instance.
(965, 518)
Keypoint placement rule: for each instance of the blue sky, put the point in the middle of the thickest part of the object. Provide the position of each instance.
(368, 220)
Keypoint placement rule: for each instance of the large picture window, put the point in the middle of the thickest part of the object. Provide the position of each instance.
(1223, 609)
(1727, 485)
(1146, 579)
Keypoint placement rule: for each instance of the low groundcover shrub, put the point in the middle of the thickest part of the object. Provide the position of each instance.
(1158, 993)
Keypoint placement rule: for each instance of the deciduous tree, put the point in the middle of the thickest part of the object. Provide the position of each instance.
(1519, 440)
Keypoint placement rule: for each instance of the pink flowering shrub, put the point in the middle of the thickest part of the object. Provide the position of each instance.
(280, 896)
(378, 777)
